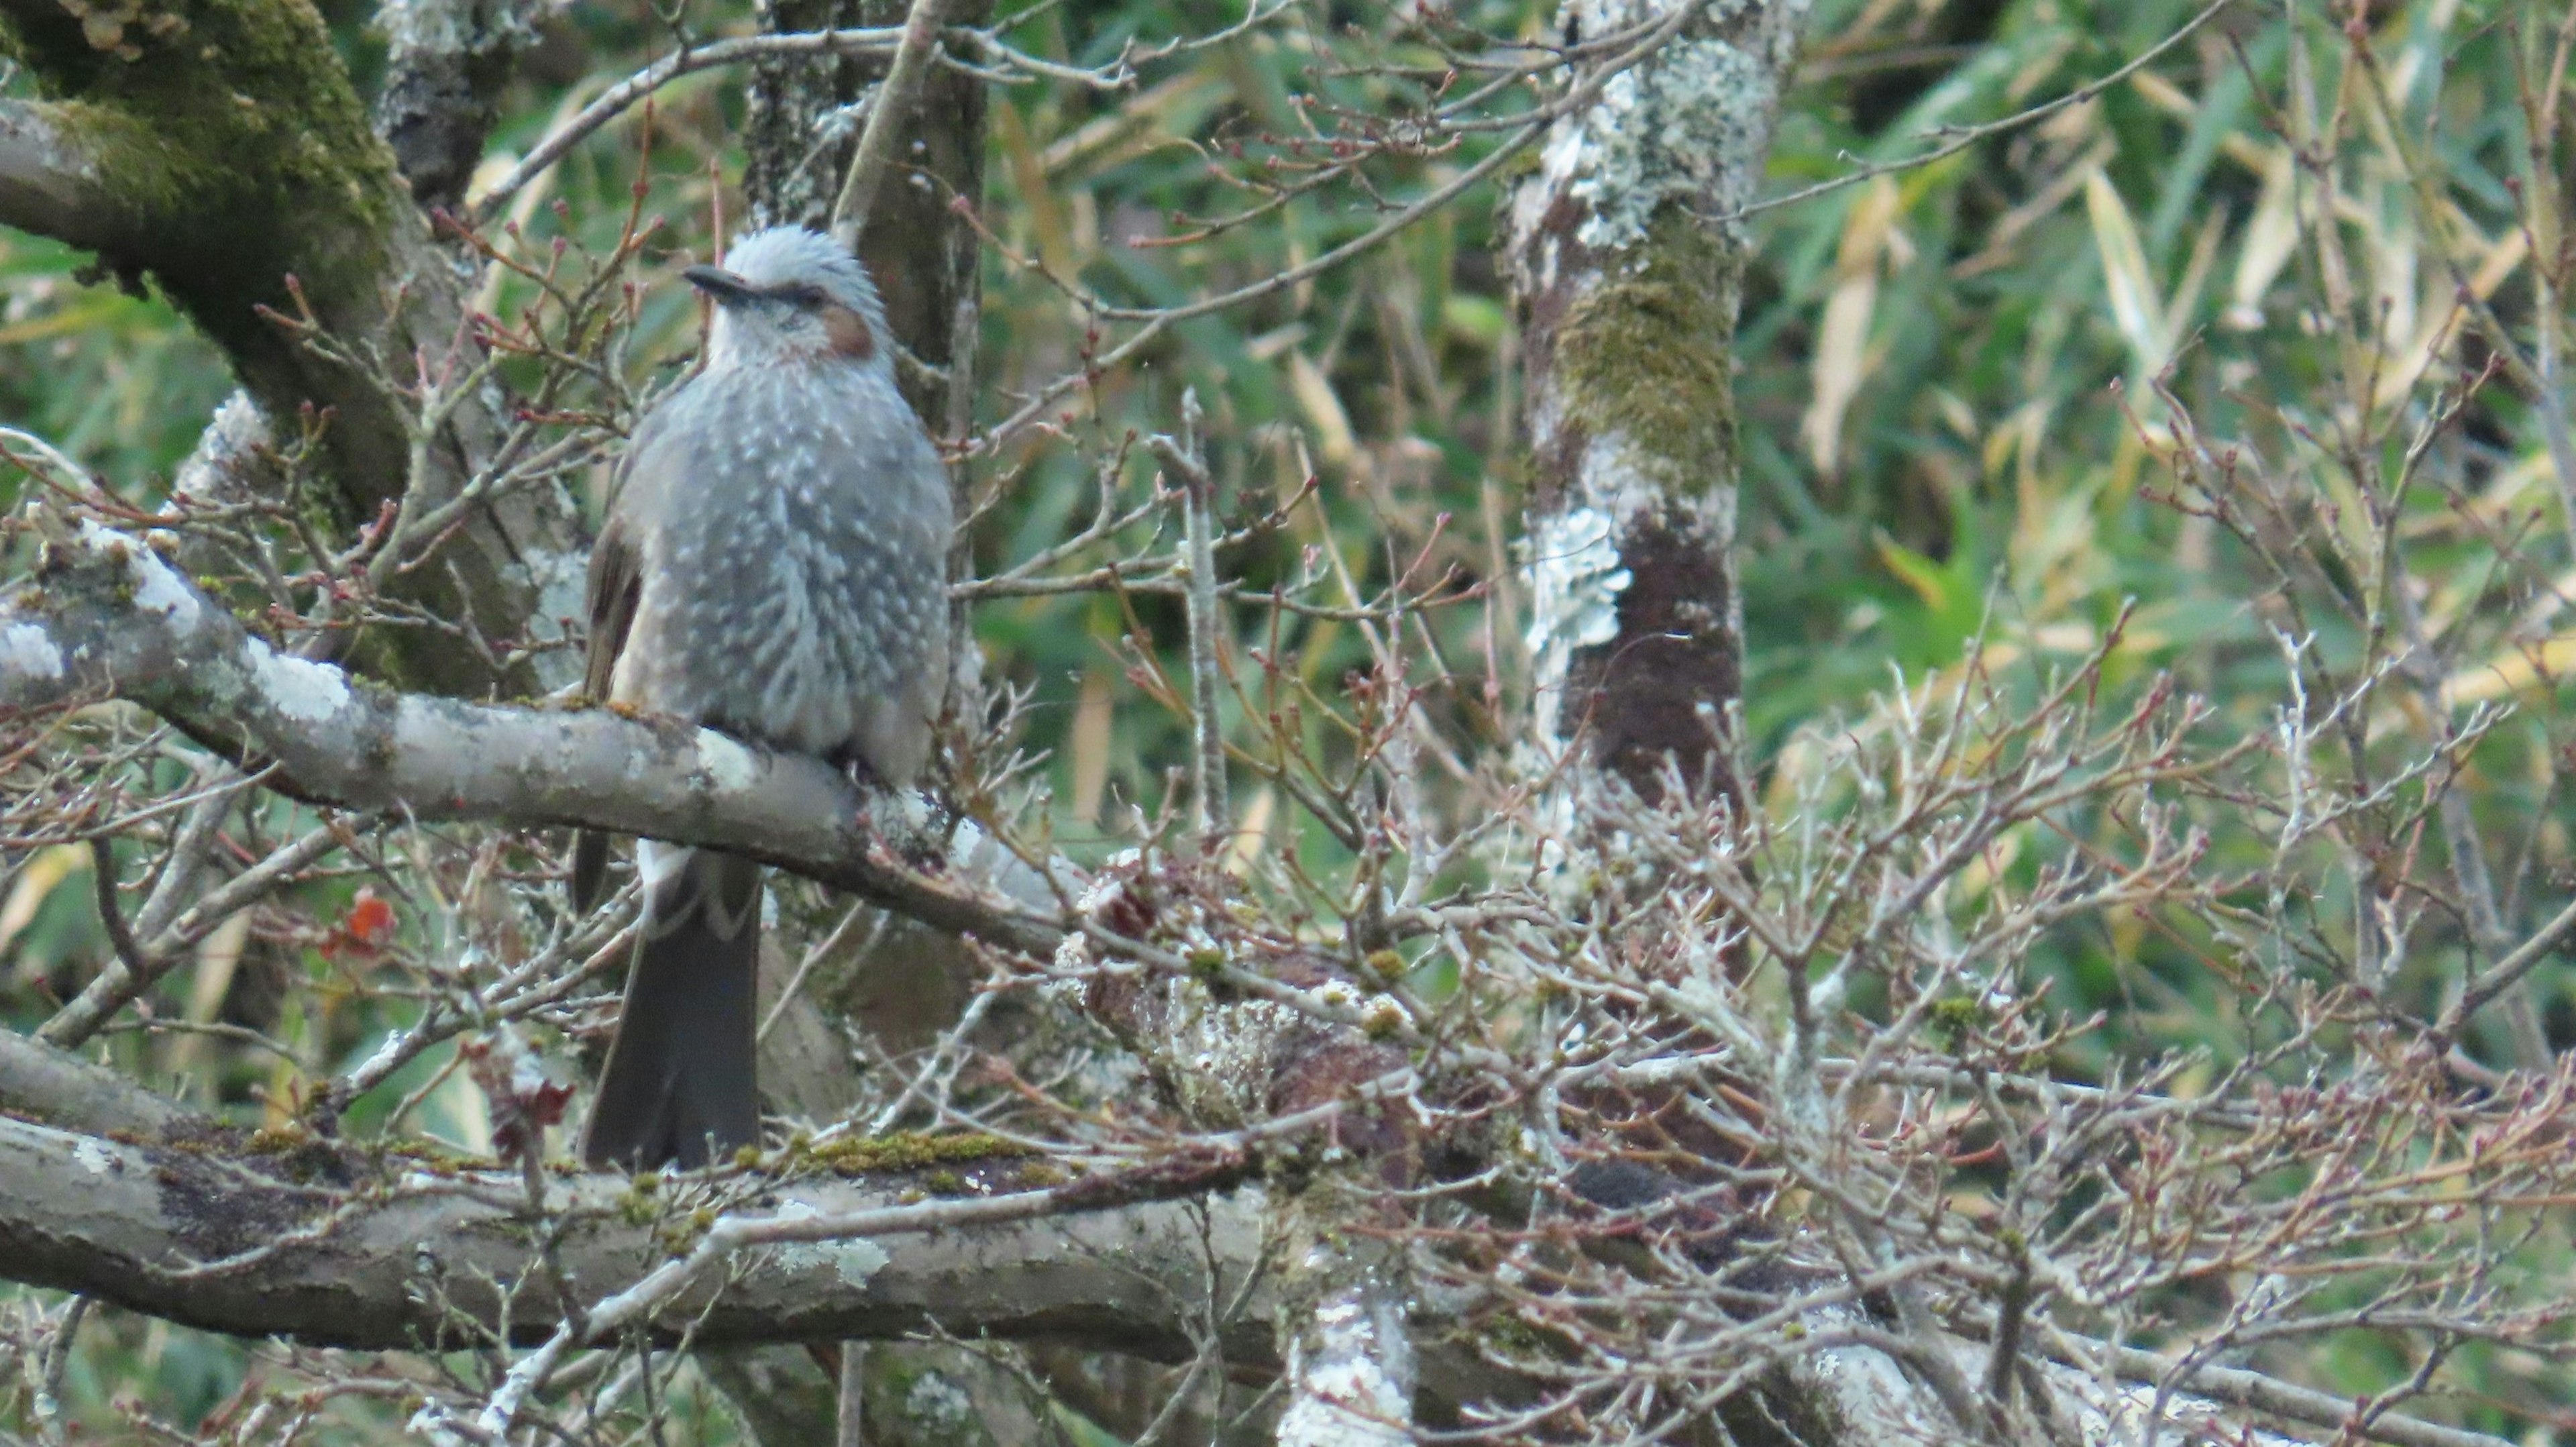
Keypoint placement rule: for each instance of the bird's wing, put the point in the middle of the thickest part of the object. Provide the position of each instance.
(616, 579)
(616, 585)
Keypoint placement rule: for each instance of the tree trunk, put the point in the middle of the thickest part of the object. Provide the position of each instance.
(804, 123)
(1627, 266)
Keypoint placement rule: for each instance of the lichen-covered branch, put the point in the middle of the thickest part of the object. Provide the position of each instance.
(307, 1241)
(1229, 1046)
(113, 619)
(121, 1195)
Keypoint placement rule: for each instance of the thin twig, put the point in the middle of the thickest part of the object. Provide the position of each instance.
(1962, 139)
(111, 915)
(2509, 970)
(831, 944)
(57, 1366)
(1187, 461)
(619, 98)
(1156, 320)
(120, 984)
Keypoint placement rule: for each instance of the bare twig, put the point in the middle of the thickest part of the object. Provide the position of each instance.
(1186, 459)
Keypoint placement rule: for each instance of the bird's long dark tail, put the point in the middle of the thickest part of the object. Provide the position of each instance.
(679, 1083)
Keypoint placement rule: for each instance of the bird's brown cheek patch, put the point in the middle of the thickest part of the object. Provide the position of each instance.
(849, 334)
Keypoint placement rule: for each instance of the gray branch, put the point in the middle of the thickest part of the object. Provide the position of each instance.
(113, 619)
(67, 1091)
(449, 1256)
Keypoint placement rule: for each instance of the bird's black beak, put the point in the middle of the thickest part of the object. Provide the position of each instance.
(727, 288)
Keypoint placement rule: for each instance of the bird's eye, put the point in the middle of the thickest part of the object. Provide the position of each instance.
(803, 294)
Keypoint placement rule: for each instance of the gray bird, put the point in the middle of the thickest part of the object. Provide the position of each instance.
(774, 566)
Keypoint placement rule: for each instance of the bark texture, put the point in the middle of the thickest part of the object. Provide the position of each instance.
(112, 618)
(1627, 271)
(303, 1243)
(803, 126)
(447, 64)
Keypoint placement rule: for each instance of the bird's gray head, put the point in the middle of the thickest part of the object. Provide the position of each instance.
(792, 295)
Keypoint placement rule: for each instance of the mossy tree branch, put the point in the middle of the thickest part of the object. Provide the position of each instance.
(219, 148)
(317, 1242)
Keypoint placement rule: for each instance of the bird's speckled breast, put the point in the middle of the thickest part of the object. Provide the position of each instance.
(794, 564)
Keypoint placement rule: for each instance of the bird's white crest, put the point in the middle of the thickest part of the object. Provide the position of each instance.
(790, 256)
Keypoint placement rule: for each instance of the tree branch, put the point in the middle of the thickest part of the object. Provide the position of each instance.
(896, 97)
(113, 619)
(67, 1091)
(47, 184)
(401, 1260)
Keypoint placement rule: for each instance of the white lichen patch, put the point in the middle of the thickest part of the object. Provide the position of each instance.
(853, 1261)
(1688, 126)
(454, 27)
(1575, 582)
(1231, 1050)
(213, 472)
(938, 1403)
(1072, 955)
(1106, 885)
(1351, 1376)
(906, 814)
(94, 1158)
(26, 652)
(157, 588)
(298, 688)
(1623, 478)
(561, 580)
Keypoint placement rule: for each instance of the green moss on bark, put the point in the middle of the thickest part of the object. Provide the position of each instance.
(1645, 356)
(226, 116)
(233, 152)
(908, 1150)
